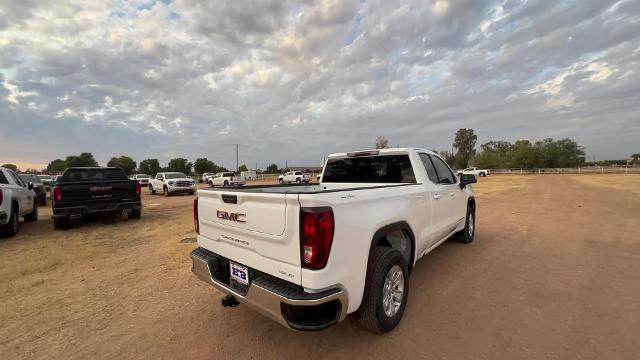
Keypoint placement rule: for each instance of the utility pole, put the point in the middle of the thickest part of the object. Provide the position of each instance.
(236, 157)
(286, 164)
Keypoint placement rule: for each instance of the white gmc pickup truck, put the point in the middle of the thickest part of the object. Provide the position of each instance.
(308, 255)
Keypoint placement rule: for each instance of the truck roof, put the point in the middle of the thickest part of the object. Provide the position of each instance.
(388, 151)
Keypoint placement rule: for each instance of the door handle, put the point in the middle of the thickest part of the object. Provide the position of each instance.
(436, 196)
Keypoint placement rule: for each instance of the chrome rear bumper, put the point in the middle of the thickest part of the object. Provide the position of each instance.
(276, 300)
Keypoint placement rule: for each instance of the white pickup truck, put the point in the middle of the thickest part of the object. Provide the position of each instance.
(170, 183)
(294, 177)
(227, 178)
(306, 256)
(475, 171)
(16, 199)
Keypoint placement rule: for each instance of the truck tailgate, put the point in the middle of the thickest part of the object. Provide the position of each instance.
(257, 230)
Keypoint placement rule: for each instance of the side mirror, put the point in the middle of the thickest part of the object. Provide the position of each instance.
(30, 185)
(466, 179)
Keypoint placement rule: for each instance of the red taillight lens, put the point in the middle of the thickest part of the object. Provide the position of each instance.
(57, 194)
(316, 236)
(195, 216)
(138, 189)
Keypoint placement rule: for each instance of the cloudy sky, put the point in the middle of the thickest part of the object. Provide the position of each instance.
(297, 80)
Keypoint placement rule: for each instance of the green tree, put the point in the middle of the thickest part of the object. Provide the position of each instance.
(83, 160)
(523, 155)
(149, 167)
(57, 165)
(10, 166)
(561, 153)
(272, 169)
(179, 165)
(382, 142)
(494, 155)
(203, 165)
(636, 158)
(124, 162)
(243, 167)
(465, 143)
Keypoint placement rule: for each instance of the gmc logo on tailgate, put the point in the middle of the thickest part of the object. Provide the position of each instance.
(237, 217)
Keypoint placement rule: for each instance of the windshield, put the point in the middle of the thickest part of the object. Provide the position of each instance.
(45, 177)
(142, 176)
(370, 169)
(174, 176)
(228, 174)
(30, 178)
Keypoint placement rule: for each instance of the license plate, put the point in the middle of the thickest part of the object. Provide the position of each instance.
(239, 273)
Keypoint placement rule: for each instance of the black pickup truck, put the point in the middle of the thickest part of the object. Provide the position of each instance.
(85, 191)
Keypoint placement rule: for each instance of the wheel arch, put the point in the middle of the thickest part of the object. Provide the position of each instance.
(380, 238)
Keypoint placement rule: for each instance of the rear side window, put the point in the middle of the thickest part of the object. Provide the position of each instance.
(445, 176)
(93, 175)
(371, 169)
(3, 179)
(428, 165)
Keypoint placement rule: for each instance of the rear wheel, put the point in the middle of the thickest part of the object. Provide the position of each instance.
(226, 183)
(135, 214)
(152, 191)
(385, 296)
(280, 181)
(12, 227)
(298, 180)
(61, 223)
(33, 216)
(483, 174)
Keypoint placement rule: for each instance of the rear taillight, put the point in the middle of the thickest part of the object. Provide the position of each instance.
(57, 194)
(138, 189)
(195, 216)
(316, 236)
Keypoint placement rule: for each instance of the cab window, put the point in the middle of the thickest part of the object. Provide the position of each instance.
(428, 165)
(445, 176)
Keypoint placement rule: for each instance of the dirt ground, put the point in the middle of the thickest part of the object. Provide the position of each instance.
(554, 273)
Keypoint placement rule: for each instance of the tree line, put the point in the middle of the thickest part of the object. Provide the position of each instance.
(147, 166)
(546, 153)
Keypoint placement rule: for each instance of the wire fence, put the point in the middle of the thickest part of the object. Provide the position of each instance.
(576, 170)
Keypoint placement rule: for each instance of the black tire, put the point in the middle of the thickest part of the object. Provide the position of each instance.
(280, 181)
(33, 215)
(61, 223)
(152, 191)
(12, 227)
(467, 234)
(165, 191)
(135, 214)
(226, 183)
(372, 313)
(483, 174)
(298, 181)
(210, 184)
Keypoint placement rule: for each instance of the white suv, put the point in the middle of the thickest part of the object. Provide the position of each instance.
(16, 199)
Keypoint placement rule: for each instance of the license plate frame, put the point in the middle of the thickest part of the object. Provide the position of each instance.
(239, 273)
